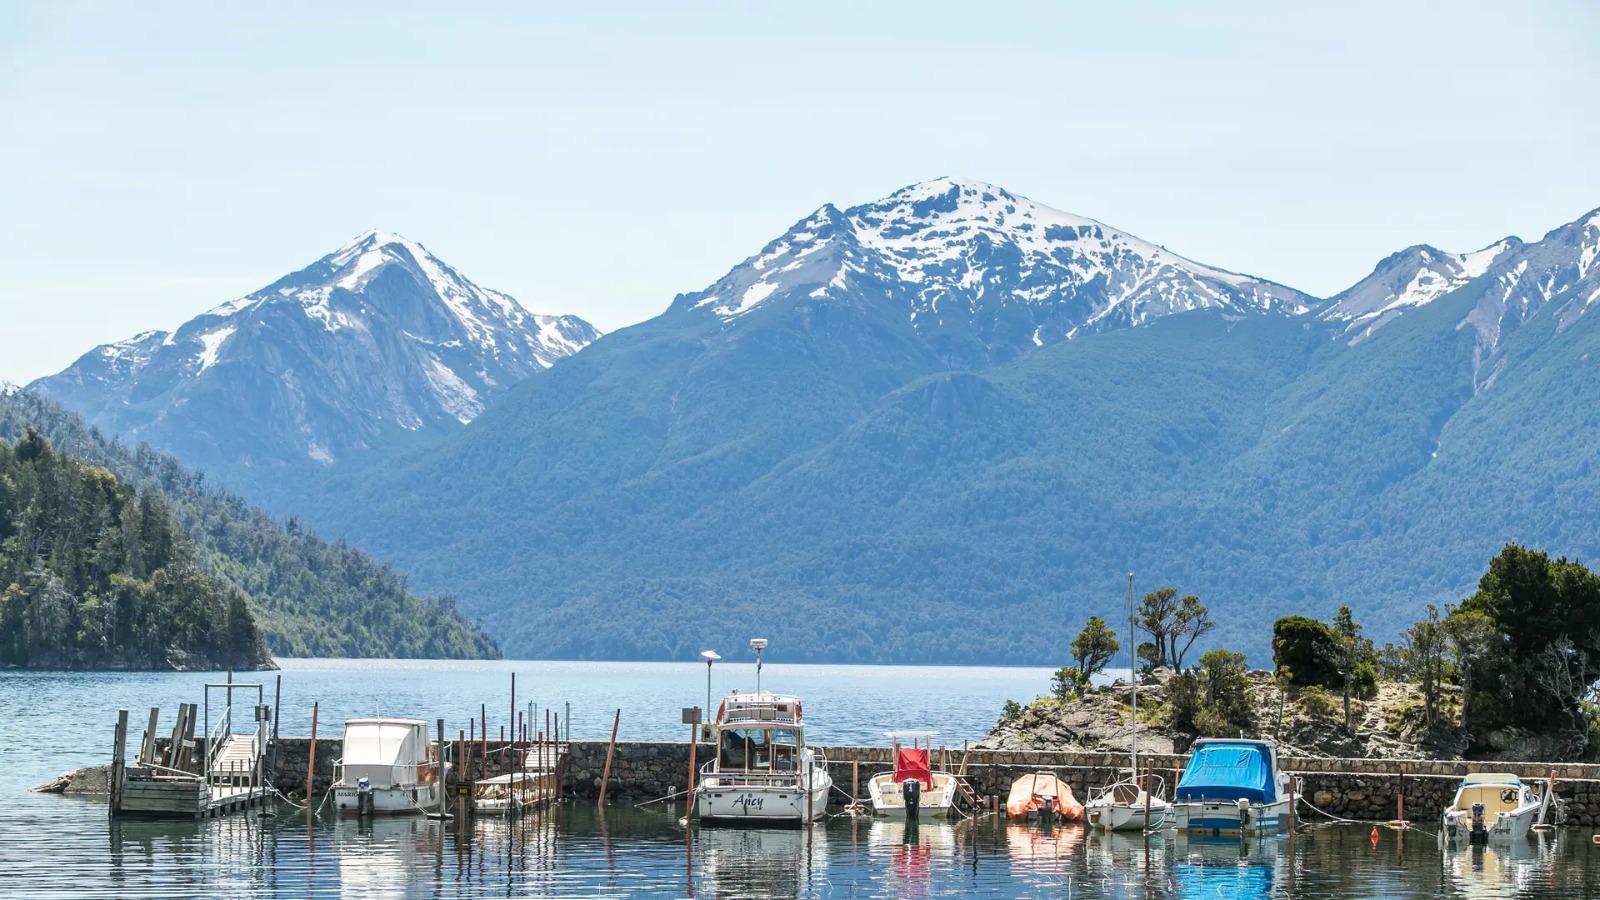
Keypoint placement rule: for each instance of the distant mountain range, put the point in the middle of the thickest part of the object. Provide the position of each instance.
(377, 346)
(941, 427)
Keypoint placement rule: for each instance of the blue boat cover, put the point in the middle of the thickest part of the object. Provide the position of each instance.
(1229, 770)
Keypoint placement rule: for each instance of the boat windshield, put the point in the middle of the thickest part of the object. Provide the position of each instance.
(758, 749)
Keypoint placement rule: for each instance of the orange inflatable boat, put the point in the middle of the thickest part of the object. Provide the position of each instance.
(1043, 793)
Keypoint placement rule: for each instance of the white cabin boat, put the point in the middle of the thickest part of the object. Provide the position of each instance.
(763, 772)
(1127, 806)
(1232, 786)
(912, 787)
(389, 767)
(1490, 805)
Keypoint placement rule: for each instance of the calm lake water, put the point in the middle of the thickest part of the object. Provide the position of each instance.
(63, 846)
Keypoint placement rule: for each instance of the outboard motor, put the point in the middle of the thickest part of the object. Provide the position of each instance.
(1244, 813)
(363, 797)
(1480, 834)
(911, 794)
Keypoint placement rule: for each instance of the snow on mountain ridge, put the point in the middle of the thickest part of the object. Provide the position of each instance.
(376, 336)
(967, 254)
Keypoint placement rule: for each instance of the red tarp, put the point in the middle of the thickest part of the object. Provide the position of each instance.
(913, 764)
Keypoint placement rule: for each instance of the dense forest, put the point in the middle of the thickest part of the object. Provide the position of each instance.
(311, 597)
(94, 574)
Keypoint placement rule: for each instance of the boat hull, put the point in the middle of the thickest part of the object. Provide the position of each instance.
(1512, 826)
(1123, 817)
(887, 800)
(1223, 817)
(762, 804)
(387, 801)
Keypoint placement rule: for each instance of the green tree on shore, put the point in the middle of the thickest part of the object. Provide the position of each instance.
(1092, 649)
(1174, 624)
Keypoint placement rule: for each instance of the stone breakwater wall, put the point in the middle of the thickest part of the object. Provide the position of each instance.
(645, 770)
(1364, 789)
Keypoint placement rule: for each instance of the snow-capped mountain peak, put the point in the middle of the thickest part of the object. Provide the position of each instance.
(965, 255)
(1409, 278)
(378, 335)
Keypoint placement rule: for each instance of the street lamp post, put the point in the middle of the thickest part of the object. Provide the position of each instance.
(710, 656)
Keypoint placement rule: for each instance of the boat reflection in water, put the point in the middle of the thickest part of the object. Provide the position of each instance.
(916, 850)
(766, 862)
(385, 856)
(1500, 868)
(1229, 865)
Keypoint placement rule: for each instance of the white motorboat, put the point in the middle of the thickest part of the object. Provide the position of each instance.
(1489, 805)
(912, 788)
(1232, 785)
(389, 766)
(1128, 806)
(763, 772)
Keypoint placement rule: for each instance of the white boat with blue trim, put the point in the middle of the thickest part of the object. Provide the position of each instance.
(1232, 786)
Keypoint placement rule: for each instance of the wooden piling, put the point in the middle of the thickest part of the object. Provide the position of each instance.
(694, 743)
(483, 740)
(175, 743)
(311, 759)
(119, 747)
(147, 747)
(556, 767)
(438, 769)
(605, 777)
(855, 779)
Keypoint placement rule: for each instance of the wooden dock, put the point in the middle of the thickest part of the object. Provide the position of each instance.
(185, 779)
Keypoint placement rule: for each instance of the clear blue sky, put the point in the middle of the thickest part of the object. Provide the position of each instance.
(161, 158)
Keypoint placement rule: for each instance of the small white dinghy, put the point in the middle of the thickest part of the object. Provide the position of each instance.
(912, 788)
(1127, 806)
(1489, 805)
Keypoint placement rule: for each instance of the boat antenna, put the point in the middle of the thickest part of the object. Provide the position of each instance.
(1133, 679)
(758, 645)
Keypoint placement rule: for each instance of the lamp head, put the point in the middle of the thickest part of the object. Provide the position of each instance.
(710, 656)
(758, 644)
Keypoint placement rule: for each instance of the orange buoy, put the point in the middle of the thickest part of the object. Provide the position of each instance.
(1374, 835)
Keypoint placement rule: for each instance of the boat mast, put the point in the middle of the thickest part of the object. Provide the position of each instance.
(1133, 679)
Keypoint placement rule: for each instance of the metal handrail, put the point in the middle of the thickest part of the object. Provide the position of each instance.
(709, 772)
(219, 734)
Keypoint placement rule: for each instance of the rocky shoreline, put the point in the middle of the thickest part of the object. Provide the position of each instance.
(1303, 722)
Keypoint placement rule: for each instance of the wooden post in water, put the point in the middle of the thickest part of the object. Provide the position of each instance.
(147, 747)
(311, 759)
(277, 695)
(1144, 785)
(1400, 800)
(694, 744)
(555, 769)
(119, 748)
(1291, 808)
(176, 741)
(483, 740)
(513, 717)
(438, 769)
(855, 780)
(605, 777)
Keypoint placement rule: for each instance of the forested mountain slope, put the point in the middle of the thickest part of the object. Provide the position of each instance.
(311, 597)
(96, 575)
